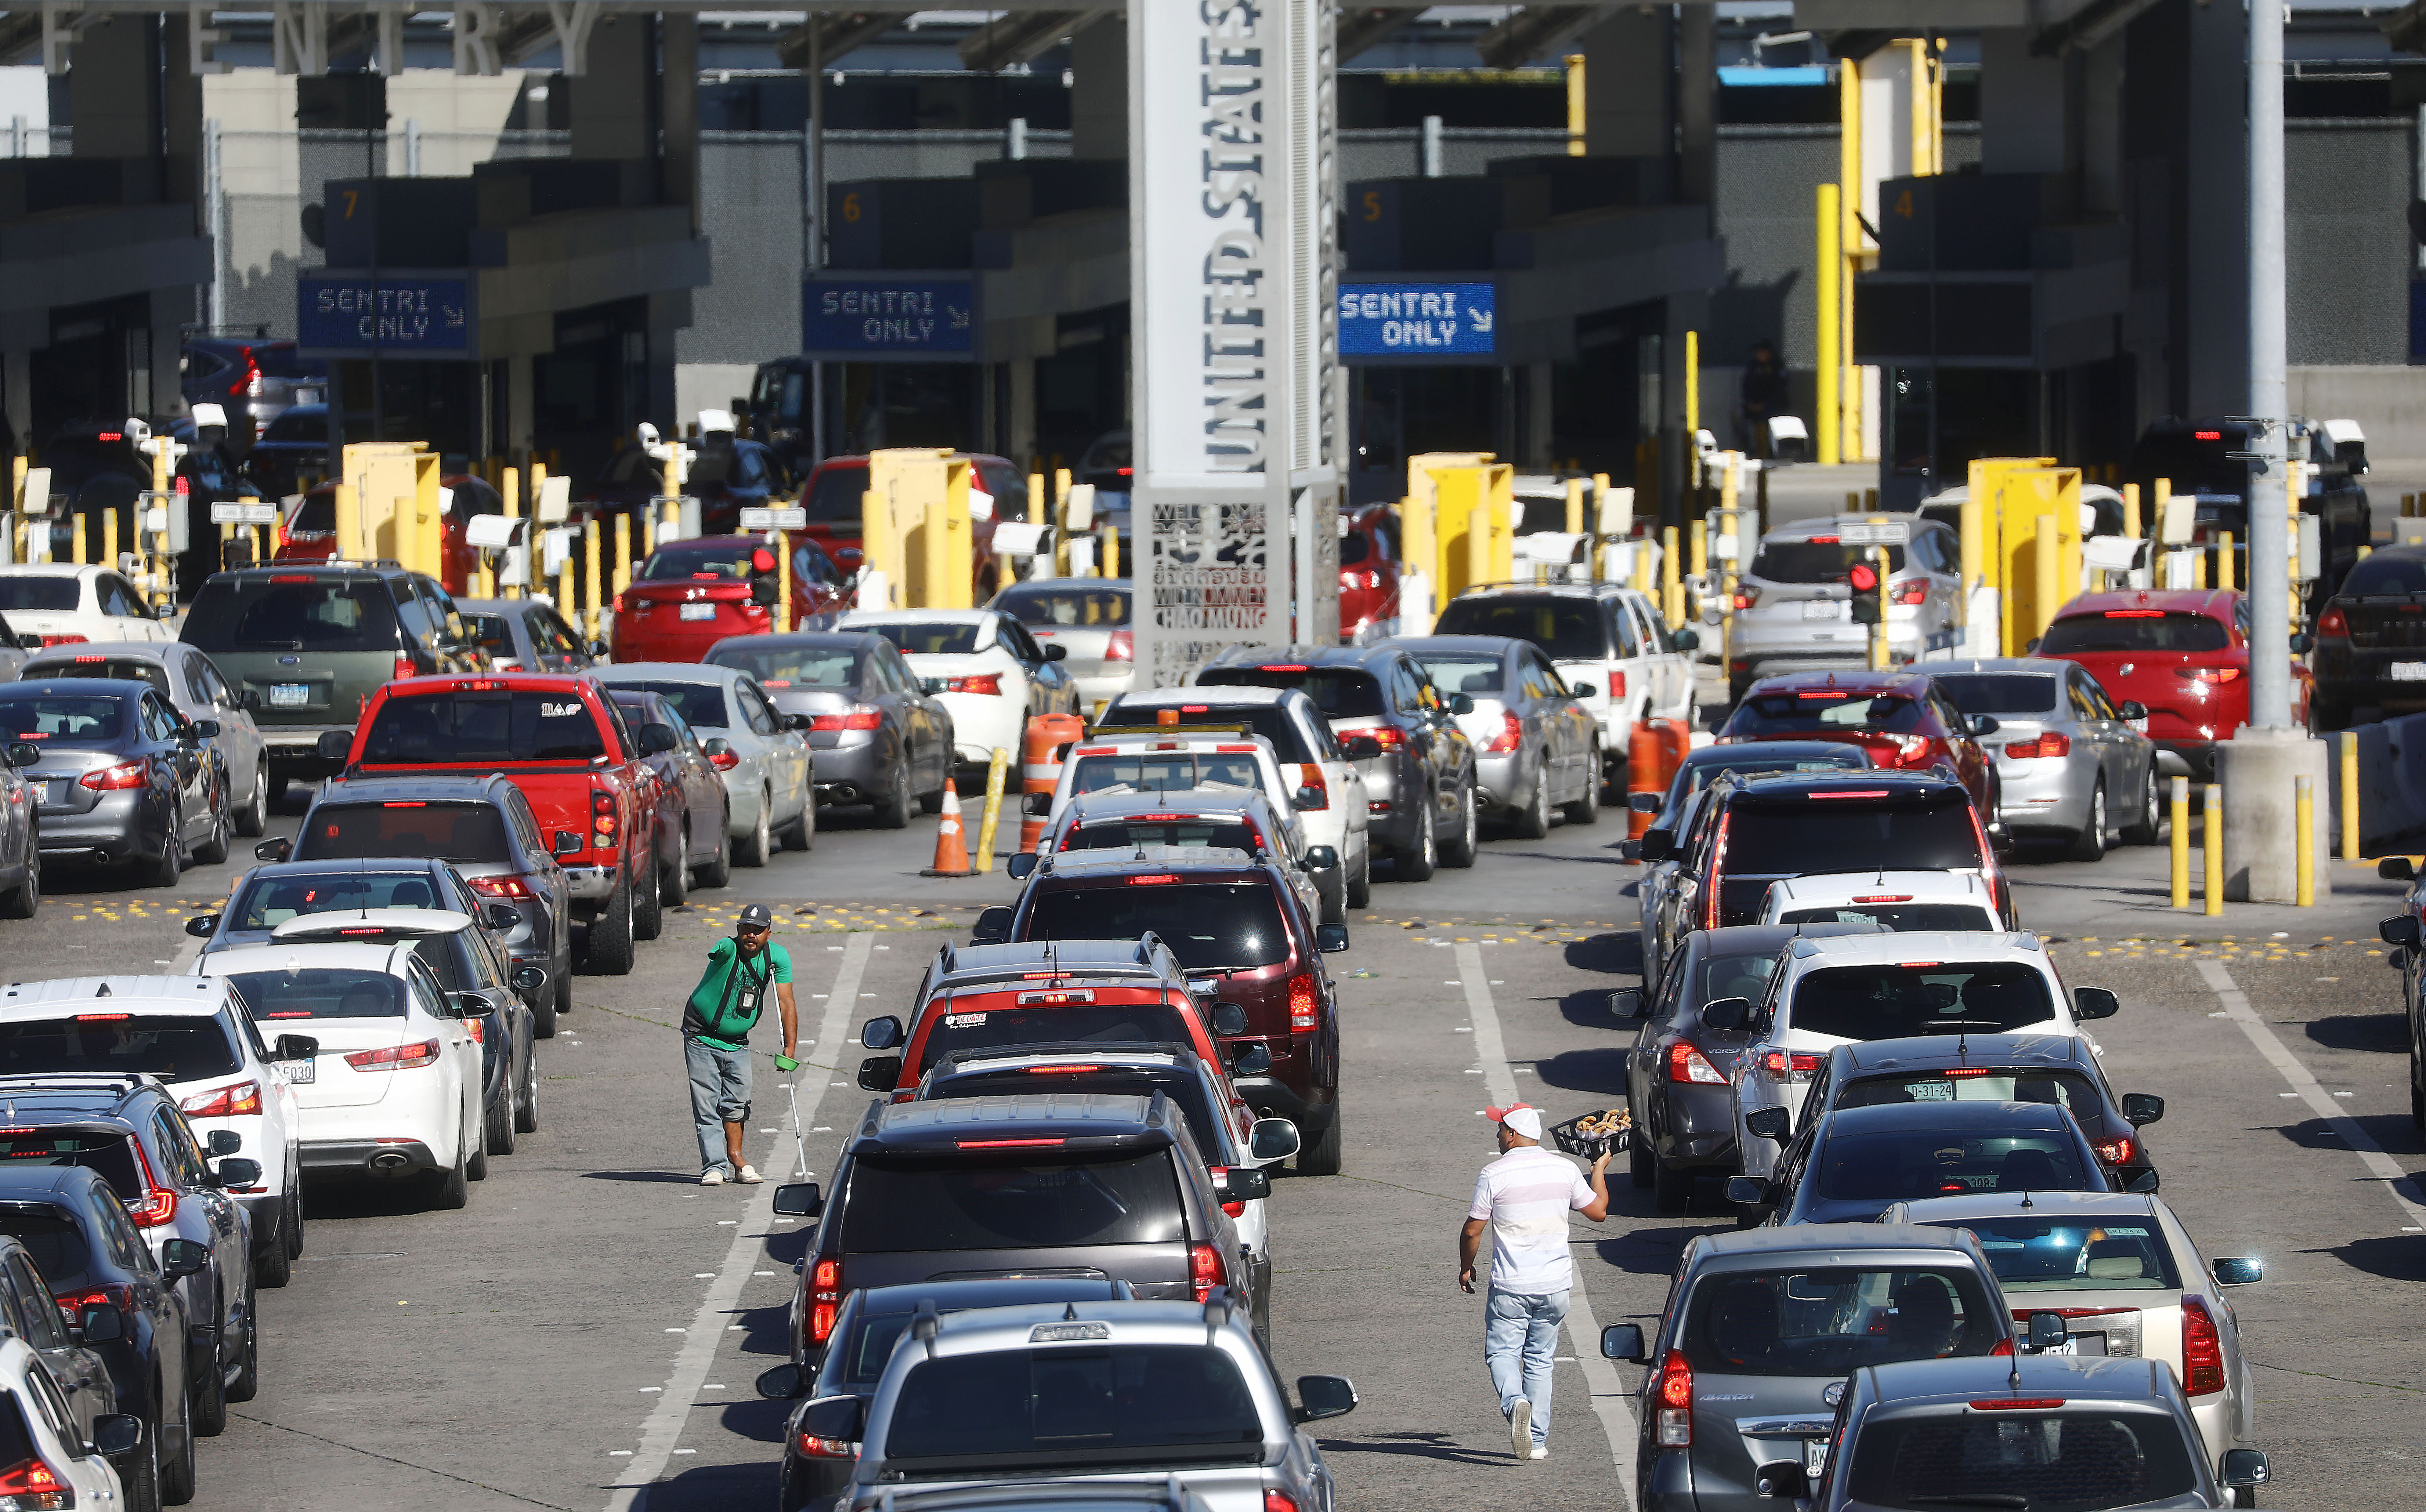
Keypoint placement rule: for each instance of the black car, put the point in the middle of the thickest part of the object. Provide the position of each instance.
(29, 1308)
(1419, 776)
(1680, 1074)
(1700, 768)
(1846, 1164)
(125, 1307)
(123, 777)
(2371, 645)
(871, 1322)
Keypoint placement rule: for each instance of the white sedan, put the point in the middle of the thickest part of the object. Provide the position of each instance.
(984, 667)
(59, 604)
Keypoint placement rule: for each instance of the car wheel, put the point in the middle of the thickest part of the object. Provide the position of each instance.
(649, 909)
(674, 883)
(501, 1122)
(1460, 850)
(718, 869)
(1322, 1158)
(207, 1393)
(271, 1264)
(26, 898)
(255, 817)
(247, 1384)
(294, 1235)
(2145, 826)
(139, 1471)
(1534, 822)
(527, 1115)
(177, 1472)
(2090, 844)
(1418, 862)
(894, 812)
(1585, 810)
(214, 848)
(450, 1189)
(801, 833)
(931, 802)
(760, 844)
(1639, 1159)
(1334, 898)
(278, 788)
(164, 869)
(1360, 887)
(559, 1000)
(1671, 1190)
(607, 951)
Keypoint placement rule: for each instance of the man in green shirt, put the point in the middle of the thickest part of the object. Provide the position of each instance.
(716, 1038)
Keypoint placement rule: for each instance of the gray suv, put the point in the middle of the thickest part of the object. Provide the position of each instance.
(1794, 607)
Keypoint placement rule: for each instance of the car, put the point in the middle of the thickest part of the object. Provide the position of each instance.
(988, 671)
(563, 743)
(1904, 720)
(527, 636)
(2071, 765)
(1338, 813)
(1368, 573)
(313, 643)
(1760, 1327)
(690, 594)
(693, 829)
(129, 1130)
(2181, 654)
(33, 1314)
(253, 378)
(122, 779)
(420, 843)
(760, 753)
(875, 734)
(837, 486)
(871, 1322)
(1537, 745)
(15, 649)
(1678, 1070)
(1232, 819)
(1089, 619)
(952, 1410)
(2128, 1280)
(60, 604)
(1599, 636)
(197, 1037)
(20, 830)
(1793, 600)
(1932, 901)
(123, 1306)
(401, 1101)
(2207, 461)
(196, 690)
(2368, 655)
(1886, 986)
(1419, 780)
(1232, 920)
(2047, 1430)
(1848, 1164)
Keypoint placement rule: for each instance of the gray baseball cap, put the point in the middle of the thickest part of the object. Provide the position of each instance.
(756, 916)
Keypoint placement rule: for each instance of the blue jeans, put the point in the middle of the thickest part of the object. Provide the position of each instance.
(1520, 1333)
(719, 1094)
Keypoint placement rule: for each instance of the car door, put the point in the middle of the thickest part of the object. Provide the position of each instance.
(703, 789)
(1427, 751)
(239, 735)
(231, 1255)
(2092, 727)
(182, 762)
(542, 872)
(78, 1372)
(783, 754)
(120, 602)
(460, 1061)
(1567, 727)
(926, 750)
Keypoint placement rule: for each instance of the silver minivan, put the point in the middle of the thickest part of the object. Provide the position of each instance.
(1794, 609)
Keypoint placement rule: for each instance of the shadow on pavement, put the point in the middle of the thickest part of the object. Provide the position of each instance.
(718, 1487)
(1650, 1251)
(2394, 1257)
(1621, 954)
(645, 1178)
(1589, 1009)
(2392, 1133)
(2361, 1031)
(1438, 1446)
(1585, 1070)
(755, 1419)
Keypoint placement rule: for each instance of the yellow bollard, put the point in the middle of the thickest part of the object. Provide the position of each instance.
(1880, 656)
(2304, 834)
(1700, 560)
(1575, 506)
(484, 578)
(564, 602)
(1112, 550)
(623, 554)
(995, 771)
(2350, 795)
(1826, 268)
(1035, 497)
(79, 540)
(2131, 511)
(2198, 569)
(109, 539)
(590, 580)
(2224, 560)
(2212, 847)
(780, 544)
(2181, 843)
(1061, 521)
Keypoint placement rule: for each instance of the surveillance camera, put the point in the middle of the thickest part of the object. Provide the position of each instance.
(647, 434)
(137, 431)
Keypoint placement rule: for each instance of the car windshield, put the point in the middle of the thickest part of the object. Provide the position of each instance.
(2071, 1460)
(320, 992)
(2120, 1254)
(929, 640)
(964, 1201)
(291, 612)
(270, 901)
(1179, 1084)
(2069, 1090)
(1815, 559)
(466, 832)
(1747, 760)
(1833, 1321)
(1568, 629)
(40, 716)
(717, 559)
(2000, 692)
(172, 1047)
(1154, 1022)
(2386, 574)
(109, 1153)
(1908, 1164)
(1204, 923)
(1268, 720)
(1066, 608)
(1166, 772)
(838, 493)
(1852, 835)
(56, 1245)
(701, 704)
(1903, 917)
(1104, 1404)
(1195, 834)
(1462, 674)
(1339, 692)
(39, 591)
(791, 667)
(2140, 630)
(1898, 1001)
(470, 729)
(1817, 711)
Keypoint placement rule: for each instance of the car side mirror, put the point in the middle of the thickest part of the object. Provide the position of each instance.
(799, 1199)
(880, 1073)
(1459, 702)
(880, 1033)
(1748, 1191)
(1330, 938)
(468, 1005)
(2142, 1108)
(1629, 851)
(1246, 1184)
(1057, 654)
(993, 926)
(25, 753)
(1686, 639)
(2244, 1467)
(205, 728)
(1781, 1478)
(715, 745)
(656, 740)
(2242, 1272)
(1584, 690)
(294, 1047)
(1727, 1013)
(1626, 1004)
(1623, 1341)
(596, 648)
(101, 1324)
(1228, 1019)
(835, 1419)
(796, 721)
(501, 916)
(1021, 866)
(1274, 1139)
(2144, 1182)
(2000, 840)
(2132, 709)
(1036, 805)
(783, 1384)
(1657, 845)
(334, 745)
(115, 1433)
(249, 700)
(2400, 929)
(180, 1258)
(1643, 802)
(1325, 1397)
(1983, 724)
(2095, 1002)
(1253, 1061)
(2397, 869)
(202, 926)
(1309, 800)
(529, 979)
(224, 1142)
(2047, 1330)
(1767, 1123)
(272, 850)
(1359, 747)
(237, 1171)
(930, 685)
(567, 842)
(1321, 858)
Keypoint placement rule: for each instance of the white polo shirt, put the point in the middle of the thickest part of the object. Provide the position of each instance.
(1526, 1195)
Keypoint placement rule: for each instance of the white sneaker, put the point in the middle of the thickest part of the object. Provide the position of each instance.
(1520, 1428)
(749, 1176)
(711, 1177)
(1539, 1452)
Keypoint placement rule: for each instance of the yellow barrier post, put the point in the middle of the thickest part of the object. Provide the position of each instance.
(2304, 834)
(484, 579)
(1672, 585)
(1061, 515)
(2212, 844)
(1575, 506)
(590, 582)
(1575, 97)
(564, 601)
(1693, 398)
(110, 537)
(1826, 272)
(2131, 511)
(2181, 840)
(995, 771)
(1879, 654)
(1591, 526)
(1112, 550)
(2223, 564)
(2350, 795)
(1699, 546)
(79, 540)
(780, 545)
(623, 554)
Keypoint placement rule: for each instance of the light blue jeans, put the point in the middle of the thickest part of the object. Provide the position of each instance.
(1520, 1334)
(719, 1094)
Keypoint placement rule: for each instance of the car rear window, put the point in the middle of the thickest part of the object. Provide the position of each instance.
(2056, 1461)
(1895, 1002)
(701, 704)
(724, 559)
(933, 639)
(791, 667)
(1745, 761)
(172, 1047)
(316, 514)
(269, 902)
(1113, 1404)
(109, 1153)
(2069, 1090)
(1120, 1024)
(1204, 923)
(1999, 692)
(491, 632)
(2386, 574)
(1813, 710)
(2133, 629)
(124, 668)
(470, 729)
(1816, 559)
(59, 1251)
(1835, 1320)
(969, 1200)
(1166, 772)
(1464, 674)
(2110, 1255)
(41, 717)
(1933, 834)
(1340, 693)
(1181, 1086)
(320, 992)
(298, 613)
(1908, 1165)
(1566, 629)
(1903, 917)
(1066, 608)
(39, 591)
(462, 832)
(1268, 720)
(1122, 834)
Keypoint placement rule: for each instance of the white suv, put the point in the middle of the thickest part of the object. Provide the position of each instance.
(1902, 901)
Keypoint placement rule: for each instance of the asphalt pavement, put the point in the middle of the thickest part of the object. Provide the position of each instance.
(584, 1336)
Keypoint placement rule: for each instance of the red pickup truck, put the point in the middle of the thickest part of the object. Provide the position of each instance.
(561, 741)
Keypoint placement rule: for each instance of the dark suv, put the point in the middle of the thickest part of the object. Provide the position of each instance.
(312, 642)
(1419, 788)
(1239, 929)
(1046, 1183)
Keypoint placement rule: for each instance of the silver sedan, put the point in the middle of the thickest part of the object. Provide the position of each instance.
(764, 755)
(2071, 765)
(1089, 619)
(1536, 745)
(189, 679)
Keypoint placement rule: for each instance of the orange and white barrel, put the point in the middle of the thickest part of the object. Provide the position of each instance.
(1049, 737)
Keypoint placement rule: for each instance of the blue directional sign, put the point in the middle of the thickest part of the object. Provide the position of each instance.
(404, 314)
(1396, 319)
(933, 318)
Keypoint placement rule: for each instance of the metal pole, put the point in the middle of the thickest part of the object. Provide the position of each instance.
(814, 143)
(2270, 567)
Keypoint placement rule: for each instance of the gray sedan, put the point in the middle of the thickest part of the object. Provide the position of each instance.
(528, 635)
(762, 752)
(2071, 765)
(1536, 744)
(879, 733)
(1089, 619)
(190, 681)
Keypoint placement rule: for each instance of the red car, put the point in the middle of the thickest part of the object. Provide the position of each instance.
(2184, 653)
(690, 594)
(1368, 572)
(832, 498)
(1901, 718)
(311, 528)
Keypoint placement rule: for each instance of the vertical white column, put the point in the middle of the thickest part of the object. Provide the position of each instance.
(2269, 676)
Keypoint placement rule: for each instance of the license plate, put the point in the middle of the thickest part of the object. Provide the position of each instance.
(2080, 1344)
(289, 695)
(302, 1073)
(56, 793)
(1815, 1457)
(2409, 671)
(699, 611)
(1819, 609)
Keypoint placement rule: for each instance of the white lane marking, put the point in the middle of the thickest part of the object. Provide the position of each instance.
(2305, 1088)
(1583, 1330)
(663, 1427)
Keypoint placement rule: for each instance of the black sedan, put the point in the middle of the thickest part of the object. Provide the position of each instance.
(123, 777)
(2371, 652)
(1849, 1164)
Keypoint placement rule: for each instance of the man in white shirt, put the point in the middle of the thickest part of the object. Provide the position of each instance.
(1522, 1200)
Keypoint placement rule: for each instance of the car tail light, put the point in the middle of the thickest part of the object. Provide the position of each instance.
(2211, 675)
(1509, 735)
(825, 1298)
(602, 819)
(1686, 1064)
(989, 683)
(1746, 597)
(479, 1036)
(124, 775)
(1155, 879)
(724, 761)
(1305, 1013)
(2202, 1350)
(2333, 622)
(1235, 1207)
(1279, 1501)
(157, 1206)
(1617, 686)
(1718, 871)
(1676, 1402)
(1121, 647)
(2004, 1346)
(2115, 1151)
(858, 716)
(30, 1485)
(1915, 591)
(404, 667)
(1062, 999)
(2018, 1404)
(1787, 1067)
(227, 1102)
(65, 640)
(1389, 737)
(1310, 774)
(500, 887)
(395, 1057)
(1956, 1074)
(2050, 744)
(817, 1448)
(1206, 1270)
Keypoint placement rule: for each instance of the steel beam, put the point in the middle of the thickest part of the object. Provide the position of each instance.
(1529, 33)
(1020, 37)
(837, 33)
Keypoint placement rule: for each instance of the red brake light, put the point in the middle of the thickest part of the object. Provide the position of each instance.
(49, 641)
(2050, 744)
(1866, 793)
(102, 1018)
(1390, 737)
(1061, 1070)
(1509, 735)
(859, 717)
(290, 577)
(1884, 898)
(1825, 693)
(1156, 880)
(159, 1204)
(404, 667)
(1292, 666)
(2207, 435)
(227, 1102)
(817, 1448)
(124, 775)
(825, 1298)
(1056, 1000)
(109, 435)
(1827, 540)
(1686, 1064)
(1273, 1501)
(2018, 1404)
(724, 761)
(1123, 647)
(1785, 1066)
(986, 682)
(1916, 591)
(1306, 1014)
(2115, 1151)
(499, 887)
(2332, 622)
(33, 1485)
(2210, 675)
(1206, 1270)
(2202, 1350)
(1676, 1402)
(95, 657)
(1957, 1073)
(405, 803)
(1009, 1144)
(395, 1057)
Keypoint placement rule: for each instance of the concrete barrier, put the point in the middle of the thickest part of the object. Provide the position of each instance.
(2391, 785)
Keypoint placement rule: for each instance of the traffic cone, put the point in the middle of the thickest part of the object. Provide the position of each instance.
(1642, 773)
(951, 846)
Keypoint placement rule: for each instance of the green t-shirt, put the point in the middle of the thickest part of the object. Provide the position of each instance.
(716, 1015)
